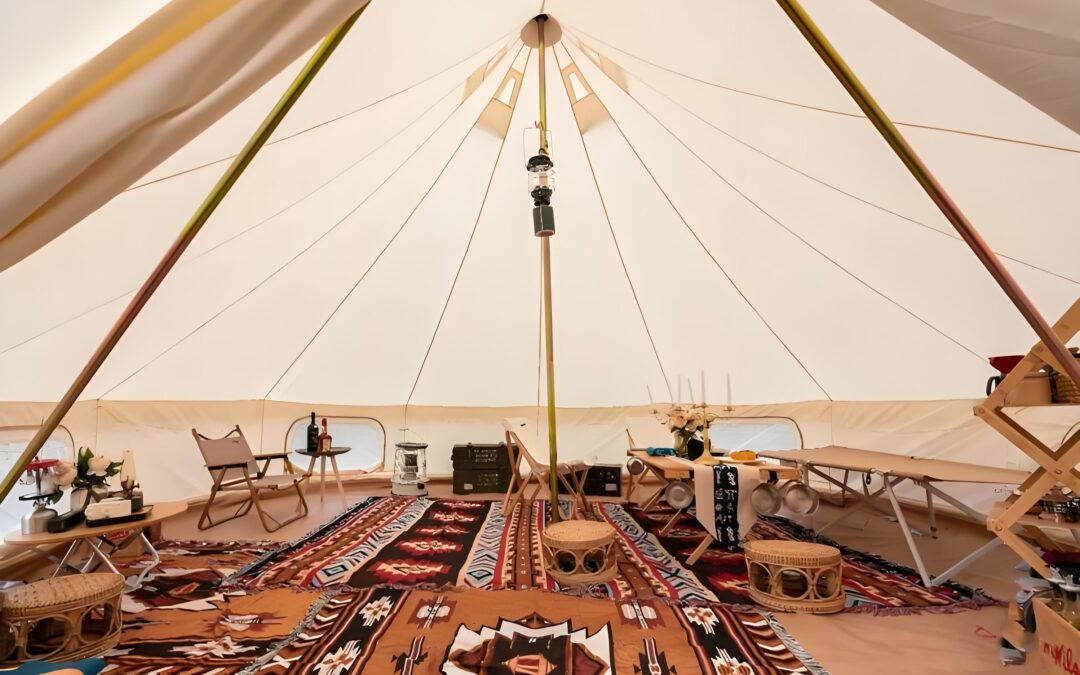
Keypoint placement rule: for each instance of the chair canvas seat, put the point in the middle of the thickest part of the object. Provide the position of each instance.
(266, 482)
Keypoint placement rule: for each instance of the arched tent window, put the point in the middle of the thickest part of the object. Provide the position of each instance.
(13, 440)
(755, 433)
(365, 435)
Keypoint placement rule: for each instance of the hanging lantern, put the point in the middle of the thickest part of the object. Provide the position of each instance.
(541, 175)
(410, 470)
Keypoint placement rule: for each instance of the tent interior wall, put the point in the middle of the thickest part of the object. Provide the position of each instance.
(728, 206)
(723, 208)
(169, 464)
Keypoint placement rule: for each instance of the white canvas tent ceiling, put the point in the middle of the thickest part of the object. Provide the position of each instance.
(721, 206)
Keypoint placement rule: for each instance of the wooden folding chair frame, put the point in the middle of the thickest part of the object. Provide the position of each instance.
(219, 471)
(568, 477)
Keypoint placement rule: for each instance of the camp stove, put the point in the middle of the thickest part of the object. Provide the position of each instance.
(410, 470)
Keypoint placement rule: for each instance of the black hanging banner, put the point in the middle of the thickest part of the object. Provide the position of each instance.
(726, 491)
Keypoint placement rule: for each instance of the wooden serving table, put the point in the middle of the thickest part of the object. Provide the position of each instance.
(672, 469)
(100, 547)
(895, 469)
(669, 469)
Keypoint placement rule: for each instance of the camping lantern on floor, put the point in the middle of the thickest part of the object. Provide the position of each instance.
(410, 470)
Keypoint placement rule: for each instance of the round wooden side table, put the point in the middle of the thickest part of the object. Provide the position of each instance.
(332, 454)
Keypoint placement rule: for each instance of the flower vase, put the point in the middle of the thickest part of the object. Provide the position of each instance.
(99, 492)
(679, 441)
(78, 500)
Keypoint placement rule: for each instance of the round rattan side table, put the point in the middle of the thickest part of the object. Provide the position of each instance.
(580, 552)
(60, 618)
(795, 576)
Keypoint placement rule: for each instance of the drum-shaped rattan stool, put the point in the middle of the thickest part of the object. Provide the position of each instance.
(795, 576)
(578, 552)
(60, 619)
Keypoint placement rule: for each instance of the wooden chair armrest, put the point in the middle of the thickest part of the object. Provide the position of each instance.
(267, 457)
(216, 467)
(272, 455)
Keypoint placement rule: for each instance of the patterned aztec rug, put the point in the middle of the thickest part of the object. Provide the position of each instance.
(388, 631)
(182, 621)
(428, 543)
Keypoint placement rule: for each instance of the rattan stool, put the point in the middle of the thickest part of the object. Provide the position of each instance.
(578, 552)
(795, 576)
(62, 618)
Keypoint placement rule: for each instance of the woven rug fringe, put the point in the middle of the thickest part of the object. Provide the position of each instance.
(812, 665)
(301, 626)
(976, 602)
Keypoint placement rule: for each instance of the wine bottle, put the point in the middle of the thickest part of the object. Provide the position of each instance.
(324, 438)
(312, 435)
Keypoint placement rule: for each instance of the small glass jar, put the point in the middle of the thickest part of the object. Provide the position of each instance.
(1071, 611)
(1056, 601)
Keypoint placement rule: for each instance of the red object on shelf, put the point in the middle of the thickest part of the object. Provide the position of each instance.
(41, 464)
(1005, 364)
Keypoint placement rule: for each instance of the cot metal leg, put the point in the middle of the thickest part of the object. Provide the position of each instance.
(907, 532)
(864, 501)
(102, 556)
(64, 561)
(979, 517)
(966, 561)
(930, 511)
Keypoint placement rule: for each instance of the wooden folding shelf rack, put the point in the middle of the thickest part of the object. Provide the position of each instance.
(1056, 467)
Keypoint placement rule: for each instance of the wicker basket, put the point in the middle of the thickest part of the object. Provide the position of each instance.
(580, 552)
(795, 576)
(60, 619)
(1063, 389)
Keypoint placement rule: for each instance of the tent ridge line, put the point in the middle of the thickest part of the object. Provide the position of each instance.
(394, 238)
(830, 111)
(787, 229)
(618, 249)
(885, 209)
(316, 241)
(464, 256)
(340, 117)
(188, 260)
(695, 236)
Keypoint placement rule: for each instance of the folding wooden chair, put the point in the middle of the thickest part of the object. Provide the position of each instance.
(231, 454)
(570, 474)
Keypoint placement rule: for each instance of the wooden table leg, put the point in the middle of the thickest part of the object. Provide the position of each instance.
(306, 483)
(700, 550)
(671, 523)
(340, 485)
(322, 478)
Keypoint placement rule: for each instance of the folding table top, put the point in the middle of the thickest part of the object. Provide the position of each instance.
(839, 457)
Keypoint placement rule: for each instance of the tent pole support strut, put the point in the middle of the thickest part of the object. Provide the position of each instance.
(187, 235)
(907, 155)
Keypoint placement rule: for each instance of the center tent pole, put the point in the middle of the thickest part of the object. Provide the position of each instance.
(543, 225)
(187, 235)
(914, 164)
